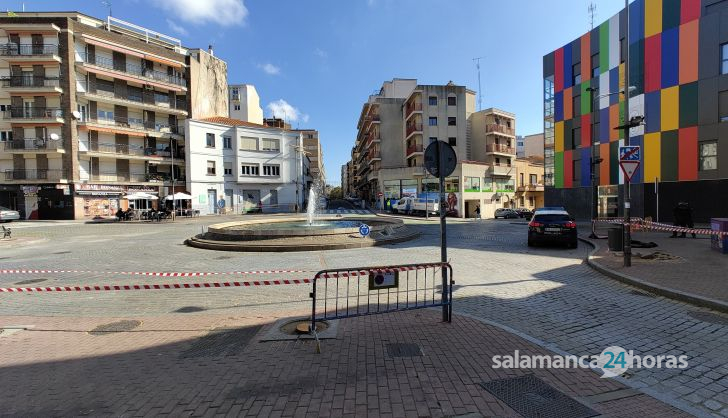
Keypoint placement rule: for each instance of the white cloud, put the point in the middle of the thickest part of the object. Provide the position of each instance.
(283, 110)
(177, 28)
(221, 12)
(320, 53)
(269, 69)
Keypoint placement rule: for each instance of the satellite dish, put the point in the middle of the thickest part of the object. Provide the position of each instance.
(55, 137)
(76, 114)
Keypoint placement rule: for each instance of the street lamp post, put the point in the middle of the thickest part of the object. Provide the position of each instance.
(627, 191)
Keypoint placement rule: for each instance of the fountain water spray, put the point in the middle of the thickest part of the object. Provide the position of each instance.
(312, 211)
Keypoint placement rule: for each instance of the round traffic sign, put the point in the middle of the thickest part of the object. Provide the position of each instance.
(433, 160)
(380, 194)
(364, 230)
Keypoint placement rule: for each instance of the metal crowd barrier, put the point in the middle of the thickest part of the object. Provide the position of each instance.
(345, 293)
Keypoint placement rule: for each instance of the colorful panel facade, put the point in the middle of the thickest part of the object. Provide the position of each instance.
(664, 40)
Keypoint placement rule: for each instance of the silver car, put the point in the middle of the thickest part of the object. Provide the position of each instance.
(7, 215)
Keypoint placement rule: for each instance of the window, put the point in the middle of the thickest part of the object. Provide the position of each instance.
(271, 170)
(433, 101)
(575, 138)
(576, 74)
(522, 177)
(622, 49)
(248, 143)
(210, 168)
(210, 140)
(533, 179)
(576, 105)
(249, 170)
(433, 121)
(576, 171)
(523, 201)
(530, 201)
(6, 136)
(273, 197)
(227, 142)
(723, 105)
(227, 168)
(452, 101)
(4, 107)
(452, 141)
(269, 145)
(595, 65)
(236, 107)
(105, 115)
(452, 121)
(724, 59)
(708, 155)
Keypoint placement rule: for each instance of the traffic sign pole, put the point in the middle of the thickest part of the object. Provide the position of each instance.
(443, 228)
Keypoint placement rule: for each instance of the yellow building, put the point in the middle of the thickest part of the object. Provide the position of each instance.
(529, 183)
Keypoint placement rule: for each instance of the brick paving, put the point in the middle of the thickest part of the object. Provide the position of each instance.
(697, 269)
(58, 368)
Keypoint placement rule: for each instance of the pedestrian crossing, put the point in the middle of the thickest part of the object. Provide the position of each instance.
(346, 211)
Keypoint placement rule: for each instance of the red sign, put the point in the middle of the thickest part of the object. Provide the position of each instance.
(380, 194)
(629, 168)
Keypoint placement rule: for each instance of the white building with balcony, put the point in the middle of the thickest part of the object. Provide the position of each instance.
(249, 167)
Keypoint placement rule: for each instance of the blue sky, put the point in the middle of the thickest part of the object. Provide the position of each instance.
(320, 59)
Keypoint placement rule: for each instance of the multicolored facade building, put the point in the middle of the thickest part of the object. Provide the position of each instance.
(678, 70)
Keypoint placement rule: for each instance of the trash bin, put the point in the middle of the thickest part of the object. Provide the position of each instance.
(719, 242)
(616, 238)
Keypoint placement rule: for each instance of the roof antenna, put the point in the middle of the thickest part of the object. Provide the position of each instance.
(592, 11)
(480, 94)
(108, 4)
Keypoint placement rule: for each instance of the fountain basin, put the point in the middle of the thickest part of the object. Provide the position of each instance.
(295, 234)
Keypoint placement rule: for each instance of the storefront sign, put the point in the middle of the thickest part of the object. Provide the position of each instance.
(30, 190)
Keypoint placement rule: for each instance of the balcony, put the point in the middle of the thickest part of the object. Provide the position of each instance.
(133, 125)
(531, 188)
(37, 115)
(132, 151)
(500, 129)
(500, 149)
(501, 170)
(413, 128)
(375, 154)
(414, 149)
(34, 145)
(29, 52)
(144, 75)
(32, 84)
(35, 175)
(156, 102)
(133, 178)
(411, 108)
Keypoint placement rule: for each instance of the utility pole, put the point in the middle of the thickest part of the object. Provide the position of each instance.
(480, 90)
(627, 189)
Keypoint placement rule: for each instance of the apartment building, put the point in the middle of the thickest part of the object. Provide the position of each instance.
(245, 103)
(396, 126)
(529, 145)
(678, 81)
(313, 150)
(250, 167)
(529, 183)
(92, 110)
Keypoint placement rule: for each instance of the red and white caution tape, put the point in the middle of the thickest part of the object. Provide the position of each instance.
(156, 274)
(166, 286)
(640, 224)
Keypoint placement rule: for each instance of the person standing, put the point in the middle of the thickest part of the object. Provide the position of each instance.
(477, 212)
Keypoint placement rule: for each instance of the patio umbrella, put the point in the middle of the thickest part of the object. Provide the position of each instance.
(140, 196)
(179, 196)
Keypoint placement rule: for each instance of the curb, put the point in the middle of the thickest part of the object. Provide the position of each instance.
(667, 292)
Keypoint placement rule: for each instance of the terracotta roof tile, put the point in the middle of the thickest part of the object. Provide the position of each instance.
(222, 120)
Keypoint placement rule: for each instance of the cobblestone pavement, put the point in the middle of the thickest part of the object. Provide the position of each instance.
(545, 293)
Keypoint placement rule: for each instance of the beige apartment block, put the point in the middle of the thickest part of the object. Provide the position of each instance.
(312, 148)
(529, 182)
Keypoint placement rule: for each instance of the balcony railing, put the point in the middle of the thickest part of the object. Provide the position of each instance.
(414, 148)
(133, 150)
(132, 69)
(33, 113)
(30, 81)
(138, 124)
(493, 127)
(11, 49)
(161, 100)
(530, 188)
(375, 153)
(500, 148)
(414, 127)
(31, 144)
(413, 107)
(46, 175)
(131, 177)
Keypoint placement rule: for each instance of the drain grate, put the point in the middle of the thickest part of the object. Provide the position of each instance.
(62, 252)
(532, 397)
(404, 350)
(120, 326)
(221, 342)
(190, 309)
(31, 281)
(709, 317)
(638, 293)
(223, 257)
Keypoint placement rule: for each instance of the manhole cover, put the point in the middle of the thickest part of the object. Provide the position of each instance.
(31, 281)
(120, 326)
(404, 350)
(221, 342)
(189, 309)
(709, 317)
(532, 397)
(638, 293)
(301, 327)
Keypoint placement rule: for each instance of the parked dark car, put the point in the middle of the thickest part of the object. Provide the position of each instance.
(524, 213)
(505, 213)
(552, 226)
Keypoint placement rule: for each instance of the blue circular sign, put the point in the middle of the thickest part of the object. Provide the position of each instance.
(364, 230)
(221, 203)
